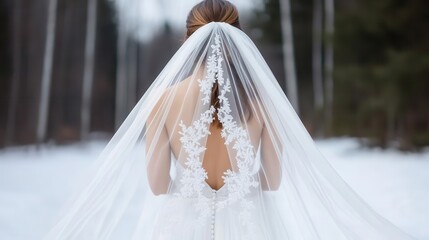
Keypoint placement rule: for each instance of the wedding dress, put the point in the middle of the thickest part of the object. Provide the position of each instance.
(164, 175)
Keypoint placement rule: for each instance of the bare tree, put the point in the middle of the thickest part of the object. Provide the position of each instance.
(88, 73)
(132, 74)
(329, 62)
(288, 53)
(317, 55)
(16, 78)
(317, 69)
(47, 71)
(143, 69)
(121, 76)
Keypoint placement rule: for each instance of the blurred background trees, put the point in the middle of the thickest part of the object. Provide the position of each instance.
(360, 67)
(380, 80)
(382, 72)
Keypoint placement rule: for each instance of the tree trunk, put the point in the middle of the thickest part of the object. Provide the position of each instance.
(317, 55)
(288, 53)
(329, 62)
(121, 77)
(144, 76)
(47, 72)
(88, 73)
(16, 77)
(132, 74)
(317, 71)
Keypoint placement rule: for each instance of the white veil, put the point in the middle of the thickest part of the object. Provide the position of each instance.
(278, 181)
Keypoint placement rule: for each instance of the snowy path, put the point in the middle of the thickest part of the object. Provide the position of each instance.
(33, 184)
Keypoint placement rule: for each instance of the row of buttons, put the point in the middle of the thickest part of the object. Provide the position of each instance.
(213, 214)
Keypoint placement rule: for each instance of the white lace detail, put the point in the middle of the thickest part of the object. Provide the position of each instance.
(213, 67)
(239, 183)
(194, 175)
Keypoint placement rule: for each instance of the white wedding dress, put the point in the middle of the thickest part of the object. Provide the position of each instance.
(216, 116)
(180, 219)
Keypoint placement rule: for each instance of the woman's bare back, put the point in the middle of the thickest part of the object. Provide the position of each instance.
(216, 158)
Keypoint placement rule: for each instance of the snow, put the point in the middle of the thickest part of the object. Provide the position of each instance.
(35, 182)
(394, 183)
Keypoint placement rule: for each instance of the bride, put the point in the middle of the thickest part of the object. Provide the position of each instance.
(214, 150)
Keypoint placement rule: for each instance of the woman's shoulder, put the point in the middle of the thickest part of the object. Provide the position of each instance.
(172, 94)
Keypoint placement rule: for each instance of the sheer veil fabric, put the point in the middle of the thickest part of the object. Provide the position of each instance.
(164, 176)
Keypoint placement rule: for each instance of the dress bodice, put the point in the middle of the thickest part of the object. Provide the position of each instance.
(207, 190)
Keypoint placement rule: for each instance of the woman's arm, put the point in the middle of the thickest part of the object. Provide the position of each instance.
(158, 152)
(271, 173)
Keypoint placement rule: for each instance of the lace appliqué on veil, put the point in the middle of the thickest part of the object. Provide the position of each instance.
(193, 180)
(239, 183)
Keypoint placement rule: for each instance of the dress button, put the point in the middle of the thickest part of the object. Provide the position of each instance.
(213, 214)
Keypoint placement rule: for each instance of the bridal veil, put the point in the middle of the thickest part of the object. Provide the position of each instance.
(277, 180)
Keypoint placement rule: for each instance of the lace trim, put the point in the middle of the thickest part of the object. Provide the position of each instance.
(238, 183)
(194, 174)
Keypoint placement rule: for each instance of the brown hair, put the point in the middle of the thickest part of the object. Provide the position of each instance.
(212, 11)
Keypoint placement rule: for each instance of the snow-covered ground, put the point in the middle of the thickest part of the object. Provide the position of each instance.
(34, 183)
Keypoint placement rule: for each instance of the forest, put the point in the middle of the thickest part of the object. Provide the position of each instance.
(70, 70)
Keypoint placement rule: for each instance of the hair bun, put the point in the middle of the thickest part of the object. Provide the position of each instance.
(211, 11)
